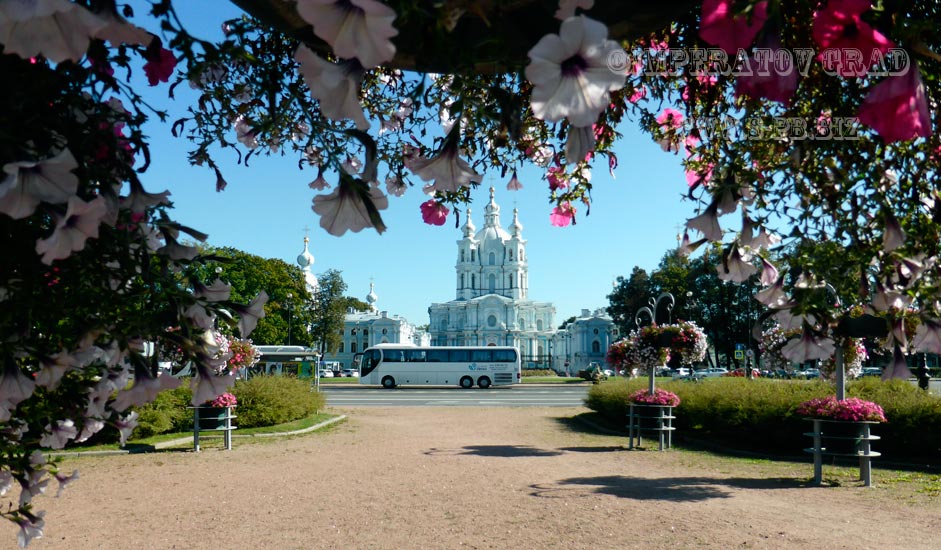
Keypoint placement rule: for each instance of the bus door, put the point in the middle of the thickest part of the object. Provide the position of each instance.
(368, 362)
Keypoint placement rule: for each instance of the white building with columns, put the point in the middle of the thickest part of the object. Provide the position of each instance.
(491, 305)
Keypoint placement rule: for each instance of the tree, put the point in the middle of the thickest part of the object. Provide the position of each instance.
(287, 311)
(628, 296)
(328, 310)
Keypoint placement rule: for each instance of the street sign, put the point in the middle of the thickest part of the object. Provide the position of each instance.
(739, 351)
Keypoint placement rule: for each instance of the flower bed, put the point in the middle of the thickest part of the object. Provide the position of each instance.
(850, 410)
(659, 397)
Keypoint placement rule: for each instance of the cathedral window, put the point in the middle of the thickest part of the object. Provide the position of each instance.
(472, 255)
(462, 254)
(492, 321)
(493, 281)
(511, 255)
(539, 324)
(596, 347)
(509, 279)
(473, 280)
(522, 323)
(462, 280)
(493, 258)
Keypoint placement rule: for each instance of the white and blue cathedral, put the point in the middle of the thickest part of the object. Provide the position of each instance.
(491, 307)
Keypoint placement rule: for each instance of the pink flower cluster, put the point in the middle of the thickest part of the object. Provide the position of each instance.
(852, 409)
(224, 400)
(659, 397)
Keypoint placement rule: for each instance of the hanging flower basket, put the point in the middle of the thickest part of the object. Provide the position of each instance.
(847, 410)
(658, 397)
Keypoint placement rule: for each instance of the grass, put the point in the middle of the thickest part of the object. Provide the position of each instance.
(338, 381)
(551, 380)
(150, 442)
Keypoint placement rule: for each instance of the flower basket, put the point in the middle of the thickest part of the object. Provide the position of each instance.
(659, 397)
(847, 410)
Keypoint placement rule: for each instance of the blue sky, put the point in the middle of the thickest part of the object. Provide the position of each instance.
(634, 219)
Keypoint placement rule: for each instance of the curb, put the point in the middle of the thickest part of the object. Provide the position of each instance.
(184, 440)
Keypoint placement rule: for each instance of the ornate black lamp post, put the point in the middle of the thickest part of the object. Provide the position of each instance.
(652, 312)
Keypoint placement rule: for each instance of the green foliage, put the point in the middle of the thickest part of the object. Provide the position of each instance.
(759, 414)
(166, 414)
(328, 311)
(538, 372)
(269, 400)
(262, 401)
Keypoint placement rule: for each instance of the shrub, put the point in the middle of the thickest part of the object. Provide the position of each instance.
(270, 400)
(538, 372)
(166, 414)
(761, 414)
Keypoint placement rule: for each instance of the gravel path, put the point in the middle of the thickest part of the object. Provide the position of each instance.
(476, 478)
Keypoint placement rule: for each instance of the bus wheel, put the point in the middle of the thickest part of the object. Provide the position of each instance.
(388, 382)
(467, 382)
(483, 382)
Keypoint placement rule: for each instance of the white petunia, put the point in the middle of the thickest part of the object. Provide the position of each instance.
(570, 74)
(334, 86)
(358, 29)
(580, 142)
(15, 387)
(447, 169)
(58, 30)
(27, 183)
(737, 266)
(57, 436)
(567, 8)
(807, 348)
(218, 291)
(345, 209)
(250, 314)
(80, 223)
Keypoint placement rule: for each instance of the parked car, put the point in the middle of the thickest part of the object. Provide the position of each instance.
(324, 373)
(682, 372)
(349, 373)
(711, 372)
(871, 371)
(808, 374)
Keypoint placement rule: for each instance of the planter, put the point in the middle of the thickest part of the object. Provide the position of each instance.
(842, 438)
(652, 420)
(212, 418)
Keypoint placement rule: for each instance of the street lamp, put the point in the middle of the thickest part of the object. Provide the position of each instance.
(290, 306)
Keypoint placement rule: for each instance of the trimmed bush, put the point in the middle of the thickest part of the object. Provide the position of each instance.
(262, 401)
(538, 372)
(270, 400)
(760, 414)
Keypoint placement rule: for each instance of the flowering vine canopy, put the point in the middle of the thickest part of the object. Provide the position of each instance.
(797, 121)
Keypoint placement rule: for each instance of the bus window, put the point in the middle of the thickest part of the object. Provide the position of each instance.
(459, 356)
(480, 355)
(393, 355)
(504, 356)
(437, 356)
(368, 361)
(415, 356)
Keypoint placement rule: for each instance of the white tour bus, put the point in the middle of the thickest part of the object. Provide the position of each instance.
(393, 364)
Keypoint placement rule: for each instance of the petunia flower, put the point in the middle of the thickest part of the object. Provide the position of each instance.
(55, 437)
(765, 79)
(580, 142)
(514, 184)
(207, 386)
(218, 291)
(897, 107)
(54, 368)
(117, 30)
(707, 223)
(125, 427)
(570, 74)
(139, 200)
(769, 273)
(346, 209)
(15, 387)
(842, 35)
(928, 336)
(320, 183)
(434, 213)
(31, 527)
(898, 368)
(721, 26)
(447, 169)
(28, 183)
(359, 29)
(334, 85)
(58, 30)
(395, 186)
(562, 215)
(808, 348)
(772, 296)
(249, 315)
(567, 8)
(145, 389)
(736, 266)
(64, 480)
(80, 223)
(160, 64)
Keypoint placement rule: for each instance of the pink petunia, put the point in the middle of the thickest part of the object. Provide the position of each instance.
(721, 26)
(765, 79)
(849, 44)
(160, 65)
(562, 215)
(434, 213)
(897, 108)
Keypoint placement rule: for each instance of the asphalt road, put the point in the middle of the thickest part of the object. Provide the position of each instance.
(549, 395)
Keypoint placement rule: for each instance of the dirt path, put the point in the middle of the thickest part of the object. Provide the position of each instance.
(446, 478)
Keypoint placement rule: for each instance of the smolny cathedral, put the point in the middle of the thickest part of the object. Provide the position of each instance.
(491, 307)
